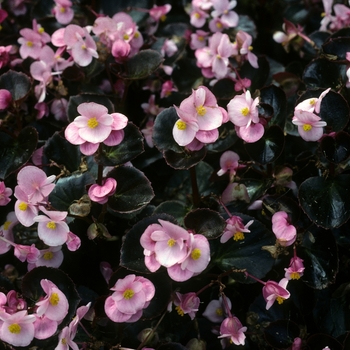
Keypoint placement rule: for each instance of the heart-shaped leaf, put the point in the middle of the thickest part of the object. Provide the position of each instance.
(17, 83)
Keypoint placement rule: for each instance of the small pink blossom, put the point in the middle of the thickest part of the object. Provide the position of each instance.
(229, 163)
(26, 253)
(5, 193)
(50, 257)
(235, 229)
(31, 43)
(285, 232)
(199, 39)
(100, 194)
(63, 11)
(14, 302)
(73, 242)
(25, 209)
(186, 304)
(5, 98)
(216, 309)
(235, 191)
(275, 291)
(159, 12)
(5, 55)
(59, 109)
(222, 9)
(198, 17)
(232, 328)
(243, 47)
(44, 327)
(310, 126)
(296, 268)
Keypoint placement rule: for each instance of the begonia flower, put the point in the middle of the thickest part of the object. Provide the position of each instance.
(131, 295)
(31, 43)
(273, 291)
(100, 194)
(26, 253)
(199, 39)
(44, 327)
(228, 163)
(7, 237)
(235, 229)
(73, 242)
(232, 328)
(5, 55)
(198, 17)
(159, 12)
(25, 209)
(17, 329)
(296, 268)
(216, 310)
(5, 193)
(63, 11)
(5, 98)
(186, 304)
(222, 9)
(284, 231)
(50, 257)
(243, 47)
(235, 191)
(55, 304)
(14, 302)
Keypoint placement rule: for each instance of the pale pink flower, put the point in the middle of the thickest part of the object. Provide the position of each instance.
(202, 4)
(59, 109)
(14, 302)
(199, 39)
(232, 328)
(222, 9)
(50, 257)
(159, 12)
(185, 129)
(198, 17)
(5, 55)
(106, 270)
(25, 209)
(310, 126)
(250, 134)
(5, 193)
(31, 43)
(285, 232)
(63, 11)
(235, 229)
(55, 304)
(5, 98)
(275, 291)
(235, 191)
(312, 104)
(6, 233)
(216, 309)
(17, 329)
(168, 48)
(243, 45)
(217, 25)
(42, 108)
(100, 194)
(290, 31)
(41, 72)
(120, 50)
(73, 242)
(131, 295)
(151, 107)
(186, 304)
(296, 268)
(44, 327)
(229, 163)
(26, 253)
(167, 88)
(52, 227)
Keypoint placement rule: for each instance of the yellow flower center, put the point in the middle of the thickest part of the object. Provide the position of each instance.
(92, 123)
(307, 127)
(197, 15)
(218, 25)
(83, 47)
(30, 43)
(62, 9)
(201, 110)
(48, 256)
(7, 225)
(41, 30)
(64, 341)
(295, 275)
(136, 35)
(280, 300)
(219, 311)
(51, 225)
(312, 102)
(128, 294)
(126, 37)
(245, 111)
(250, 48)
(163, 18)
(54, 299)
(14, 328)
(181, 125)
(179, 310)
(171, 242)
(323, 14)
(196, 254)
(200, 38)
(23, 206)
(238, 236)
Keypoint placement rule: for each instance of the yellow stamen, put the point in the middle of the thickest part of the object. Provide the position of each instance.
(181, 125)
(126, 37)
(54, 299)
(128, 294)
(41, 30)
(7, 225)
(238, 236)
(219, 311)
(196, 254)
(201, 110)
(179, 310)
(307, 127)
(245, 111)
(197, 15)
(280, 300)
(62, 9)
(295, 275)
(23, 206)
(136, 35)
(92, 123)
(163, 18)
(48, 256)
(312, 102)
(171, 242)
(14, 328)
(51, 225)
(30, 43)
(64, 341)
(218, 25)
(323, 14)
(83, 47)
(200, 38)
(250, 48)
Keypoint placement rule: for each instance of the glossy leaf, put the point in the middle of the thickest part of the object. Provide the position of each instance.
(176, 209)
(206, 222)
(258, 76)
(187, 75)
(14, 153)
(17, 83)
(70, 189)
(336, 149)
(326, 201)
(134, 191)
(337, 47)
(280, 334)
(128, 149)
(185, 159)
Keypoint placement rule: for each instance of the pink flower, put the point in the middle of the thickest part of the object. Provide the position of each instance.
(5, 98)
(100, 194)
(275, 291)
(17, 329)
(44, 327)
(186, 304)
(52, 228)
(5, 193)
(310, 126)
(26, 253)
(5, 55)
(252, 133)
(296, 268)
(229, 163)
(198, 17)
(120, 50)
(222, 9)
(73, 242)
(14, 302)
(216, 309)
(30, 43)
(159, 12)
(25, 210)
(55, 304)
(131, 295)
(6, 233)
(59, 109)
(312, 104)
(232, 328)
(285, 232)
(50, 257)
(235, 228)
(244, 49)
(235, 191)
(63, 11)
(198, 39)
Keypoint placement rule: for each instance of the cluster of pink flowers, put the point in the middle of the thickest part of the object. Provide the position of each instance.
(95, 125)
(19, 328)
(310, 125)
(340, 19)
(235, 229)
(184, 254)
(131, 295)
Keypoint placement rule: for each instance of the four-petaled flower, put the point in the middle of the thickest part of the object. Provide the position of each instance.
(273, 291)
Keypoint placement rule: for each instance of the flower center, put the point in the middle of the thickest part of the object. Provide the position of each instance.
(41, 30)
(238, 236)
(218, 25)
(201, 110)
(245, 111)
(171, 242)
(196, 254)
(7, 225)
(295, 275)
(92, 123)
(14, 328)
(307, 127)
(280, 300)
(181, 125)
(54, 299)
(51, 225)
(312, 102)
(64, 341)
(62, 9)
(23, 206)
(126, 37)
(179, 310)
(219, 311)
(197, 15)
(163, 18)
(128, 294)
(48, 256)
(29, 43)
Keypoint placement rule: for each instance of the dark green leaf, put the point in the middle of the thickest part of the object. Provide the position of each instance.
(337, 47)
(17, 83)
(128, 149)
(326, 201)
(258, 76)
(14, 153)
(134, 191)
(280, 334)
(185, 159)
(224, 89)
(70, 189)
(206, 222)
(176, 209)
(337, 148)
(187, 75)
